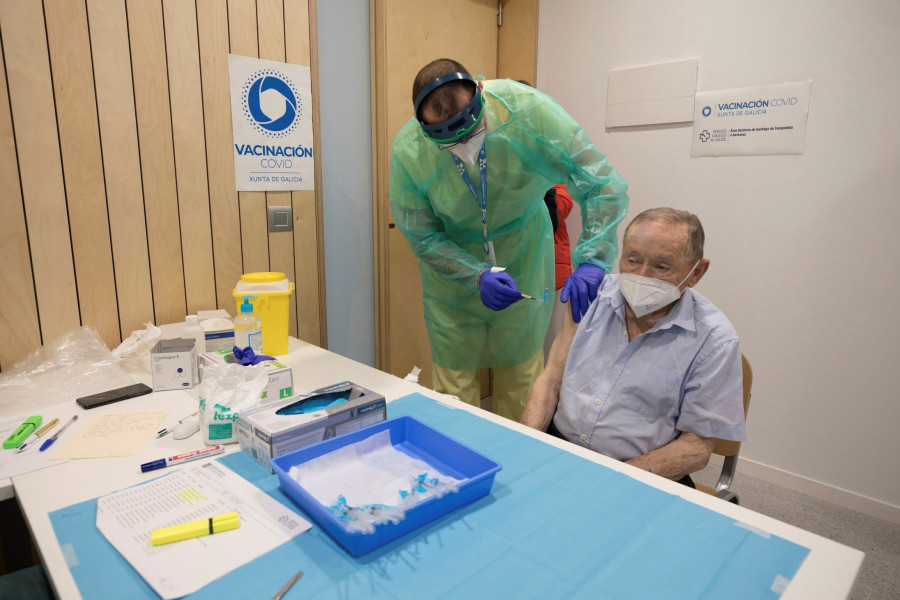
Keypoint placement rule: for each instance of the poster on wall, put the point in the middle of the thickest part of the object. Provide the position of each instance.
(271, 115)
(751, 121)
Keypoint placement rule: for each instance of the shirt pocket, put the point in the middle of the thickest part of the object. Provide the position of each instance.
(655, 394)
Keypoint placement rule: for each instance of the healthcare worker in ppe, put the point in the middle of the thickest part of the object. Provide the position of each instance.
(468, 177)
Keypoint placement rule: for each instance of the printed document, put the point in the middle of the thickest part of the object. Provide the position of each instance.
(127, 517)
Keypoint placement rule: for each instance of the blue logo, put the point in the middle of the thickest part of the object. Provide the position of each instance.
(271, 103)
(706, 111)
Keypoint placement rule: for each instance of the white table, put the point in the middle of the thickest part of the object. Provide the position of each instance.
(829, 571)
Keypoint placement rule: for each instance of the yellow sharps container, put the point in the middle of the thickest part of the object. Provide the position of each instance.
(271, 305)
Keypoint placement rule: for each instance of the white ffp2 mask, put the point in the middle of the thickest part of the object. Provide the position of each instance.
(468, 152)
(645, 295)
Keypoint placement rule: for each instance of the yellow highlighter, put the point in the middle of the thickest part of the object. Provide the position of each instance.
(186, 531)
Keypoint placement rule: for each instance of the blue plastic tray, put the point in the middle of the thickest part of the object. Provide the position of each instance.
(416, 439)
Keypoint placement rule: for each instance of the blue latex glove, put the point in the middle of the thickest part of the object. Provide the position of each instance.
(581, 287)
(498, 289)
(247, 356)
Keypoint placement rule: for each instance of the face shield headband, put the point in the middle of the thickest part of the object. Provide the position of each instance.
(459, 125)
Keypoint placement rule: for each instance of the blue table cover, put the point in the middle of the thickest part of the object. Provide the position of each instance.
(555, 525)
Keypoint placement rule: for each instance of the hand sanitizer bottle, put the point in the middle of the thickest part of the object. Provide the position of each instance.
(248, 328)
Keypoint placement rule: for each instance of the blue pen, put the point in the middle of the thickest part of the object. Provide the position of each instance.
(52, 439)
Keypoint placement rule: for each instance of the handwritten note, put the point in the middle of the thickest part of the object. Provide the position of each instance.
(113, 434)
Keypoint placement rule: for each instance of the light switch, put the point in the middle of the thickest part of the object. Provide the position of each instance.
(281, 218)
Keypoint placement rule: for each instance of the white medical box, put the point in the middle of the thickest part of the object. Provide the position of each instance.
(173, 364)
(221, 339)
(266, 432)
(281, 379)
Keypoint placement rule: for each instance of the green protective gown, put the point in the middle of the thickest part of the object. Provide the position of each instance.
(531, 145)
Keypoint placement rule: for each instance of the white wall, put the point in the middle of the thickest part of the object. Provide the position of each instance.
(804, 249)
(346, 118)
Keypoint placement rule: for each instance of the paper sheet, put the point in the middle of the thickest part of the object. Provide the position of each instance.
(113, 434)
(12, 463)
(128, 517)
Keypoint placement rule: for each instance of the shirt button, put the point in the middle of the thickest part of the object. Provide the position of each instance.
(616, 368)
(597, 401)
(583, 438)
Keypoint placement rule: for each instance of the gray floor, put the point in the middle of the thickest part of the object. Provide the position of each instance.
(879, 578)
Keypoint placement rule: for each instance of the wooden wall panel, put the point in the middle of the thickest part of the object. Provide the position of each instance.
(117, 199)
(121, 163)
(254, 224)
(37, 146)
(309, 283)
(79, 139)
(19, 326)
(183, 54)
(151, 101)
(212, 19)
(270, 20)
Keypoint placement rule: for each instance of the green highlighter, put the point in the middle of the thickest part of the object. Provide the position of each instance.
(23, 431)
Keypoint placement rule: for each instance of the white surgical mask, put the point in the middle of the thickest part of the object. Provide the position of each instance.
(468, 152)
(645, 295)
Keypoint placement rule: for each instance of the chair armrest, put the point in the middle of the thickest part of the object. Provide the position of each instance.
(727, 496)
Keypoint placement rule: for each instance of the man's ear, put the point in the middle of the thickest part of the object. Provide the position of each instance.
(699, 271)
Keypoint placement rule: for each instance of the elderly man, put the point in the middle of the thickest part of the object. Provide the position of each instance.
(652, 373)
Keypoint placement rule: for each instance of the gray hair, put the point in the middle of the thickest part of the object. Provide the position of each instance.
(674, 216)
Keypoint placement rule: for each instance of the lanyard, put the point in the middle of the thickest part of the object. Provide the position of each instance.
(482, 204)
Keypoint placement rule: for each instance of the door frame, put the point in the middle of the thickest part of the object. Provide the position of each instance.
(516, 59)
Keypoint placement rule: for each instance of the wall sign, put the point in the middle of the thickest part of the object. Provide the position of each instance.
(769, 119)
(271, 115)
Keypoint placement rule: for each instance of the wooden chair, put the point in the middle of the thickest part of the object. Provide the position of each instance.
(730, 449)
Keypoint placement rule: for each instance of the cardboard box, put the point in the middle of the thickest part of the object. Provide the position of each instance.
(281, 379)
(264, 434)
(222, 339)
(174, 365)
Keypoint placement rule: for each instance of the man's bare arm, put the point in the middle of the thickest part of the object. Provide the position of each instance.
(545, 393)
(683, 456)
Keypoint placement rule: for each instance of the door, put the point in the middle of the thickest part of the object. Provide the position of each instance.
(407, 34)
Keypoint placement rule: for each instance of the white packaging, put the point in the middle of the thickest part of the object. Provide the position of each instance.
(281, 379)
(173, 364)
(225, 391)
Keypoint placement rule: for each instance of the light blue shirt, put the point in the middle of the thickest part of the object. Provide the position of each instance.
(627, 398)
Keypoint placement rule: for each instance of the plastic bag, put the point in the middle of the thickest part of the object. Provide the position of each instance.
(77, 364)
(133, 353)
(226, 390)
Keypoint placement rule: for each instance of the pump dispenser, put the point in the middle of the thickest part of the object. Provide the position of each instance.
(248, 327)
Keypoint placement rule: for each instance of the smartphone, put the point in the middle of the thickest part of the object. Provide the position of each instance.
(110, 396)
